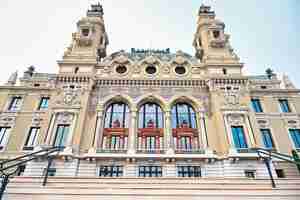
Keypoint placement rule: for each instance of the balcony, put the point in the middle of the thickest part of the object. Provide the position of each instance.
(151, 151)
(111, 151)
(190, 151)
(245, 150)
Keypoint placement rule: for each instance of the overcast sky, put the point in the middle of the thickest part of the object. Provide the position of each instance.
(263, 33)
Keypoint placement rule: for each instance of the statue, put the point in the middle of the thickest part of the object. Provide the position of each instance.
(150, 124)
(12, 79)
(116, 124)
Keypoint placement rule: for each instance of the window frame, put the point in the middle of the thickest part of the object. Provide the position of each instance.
(109, 114)
(268, 131)
(13, 105)
(143, 115)
(112, 171)
(190, 115)
(256, 105)
(34, 140)
(296, 144)
(285, 106)
(4, 138)
(147, 171)
(41, 107)
(239, 139)
(183, 170)
(63, 133)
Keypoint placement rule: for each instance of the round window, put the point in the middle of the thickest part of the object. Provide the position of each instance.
(121, 69)
(151, 69)
(180, 69)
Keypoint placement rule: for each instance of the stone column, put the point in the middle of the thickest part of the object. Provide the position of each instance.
(203, 131)
(50, 130)
(249, 132)
(71, 133)
(168, 141)
(132, 132)
(98, 131)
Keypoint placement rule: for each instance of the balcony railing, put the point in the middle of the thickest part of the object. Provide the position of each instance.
(150, 151)
(190, 151)
(245, 150)
(111, 150)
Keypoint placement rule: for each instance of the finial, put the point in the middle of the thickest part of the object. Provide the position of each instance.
(205, 10)
(96, 10)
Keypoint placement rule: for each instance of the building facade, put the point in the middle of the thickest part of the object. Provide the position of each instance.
(149, 115)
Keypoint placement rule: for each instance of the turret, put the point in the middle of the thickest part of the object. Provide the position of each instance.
(88, 43)
(212, 44)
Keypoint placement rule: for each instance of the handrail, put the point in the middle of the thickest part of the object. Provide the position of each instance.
(34, 154)
(277, 155)
(20, 160)
(271, 154)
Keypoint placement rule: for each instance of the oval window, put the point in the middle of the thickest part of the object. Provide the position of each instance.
(180, 69)
(121, 69)
(151, 69)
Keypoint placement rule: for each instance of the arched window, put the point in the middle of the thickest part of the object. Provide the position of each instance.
(116, 123)
(184, 128)
(183, 115)
(117, 116)
(150, 128)
(150, 115)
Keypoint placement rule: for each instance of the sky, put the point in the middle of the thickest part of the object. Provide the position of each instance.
(263, 33)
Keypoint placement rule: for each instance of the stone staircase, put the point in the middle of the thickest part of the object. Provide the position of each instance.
(67, 188)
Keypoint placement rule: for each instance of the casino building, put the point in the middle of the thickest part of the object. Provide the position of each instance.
(150, 124)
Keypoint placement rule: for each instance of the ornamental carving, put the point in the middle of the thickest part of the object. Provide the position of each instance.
(235, 119)
(71, 95)
(7, 120)
(232, 99)
(36, 120)
(263, 123)
(65, 117)
(293, 123)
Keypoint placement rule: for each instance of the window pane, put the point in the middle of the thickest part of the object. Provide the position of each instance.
(32, 137)
(61, 135)
(182, 108)
(193, 121)
(239, 137)
(116, 116)
(284, 105)
(183, 115)
(44, 103)
(150, 115)
(267, 138)
(295, 135)
(256, 105)
(15, 103)
(4, 136)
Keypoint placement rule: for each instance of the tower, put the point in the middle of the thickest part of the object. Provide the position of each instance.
(88, 44)
(212, 44)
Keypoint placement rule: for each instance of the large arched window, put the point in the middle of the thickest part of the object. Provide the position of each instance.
(184, 128)
(150, 128)
(116, 123)
(150, 115)
(183, 115)
(117, 116)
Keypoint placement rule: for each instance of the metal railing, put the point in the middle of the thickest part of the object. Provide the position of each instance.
(268, 154)
(9, 168)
